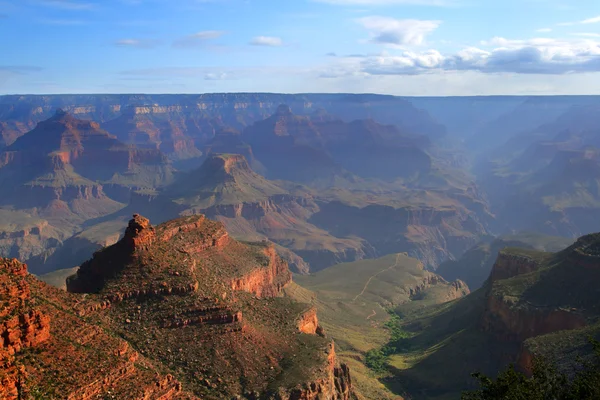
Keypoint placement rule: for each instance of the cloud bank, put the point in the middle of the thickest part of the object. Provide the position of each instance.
(536, 56)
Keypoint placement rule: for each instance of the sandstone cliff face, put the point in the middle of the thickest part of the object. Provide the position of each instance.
(309, 323)
(337, 385)
(21, 325)
(515, 319)
(508, 323)
(509, 265)
(265, 282)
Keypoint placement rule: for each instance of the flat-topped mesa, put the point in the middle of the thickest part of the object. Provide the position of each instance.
(227, 163)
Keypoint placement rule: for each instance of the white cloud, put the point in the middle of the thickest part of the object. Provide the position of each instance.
(197, 39)
(440, 3)
(385, 30)
(594, 20)
(544, 30)
(535, 56)
(270, 41)
(216, 76)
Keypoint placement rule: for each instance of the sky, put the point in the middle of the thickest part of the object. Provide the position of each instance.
(400, 47)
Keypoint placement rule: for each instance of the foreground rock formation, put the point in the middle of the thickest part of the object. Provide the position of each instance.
(180, 310)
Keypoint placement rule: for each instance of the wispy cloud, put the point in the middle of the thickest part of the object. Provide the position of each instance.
(438, 3)
(385, 30)
(20, 69)
(594, 20)
(216, 76)
(137, 43)
(269, 41)
(73, 5)
(586, 34)
(197, 39)
(544, 30)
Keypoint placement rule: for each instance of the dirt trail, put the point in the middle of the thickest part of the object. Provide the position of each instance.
(372, 315)
(371, 278)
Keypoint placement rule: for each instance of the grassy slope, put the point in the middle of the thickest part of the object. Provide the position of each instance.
(447, 344)
(444, 347)
(352, 301)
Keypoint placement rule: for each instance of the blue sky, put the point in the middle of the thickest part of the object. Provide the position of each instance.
(403, 47)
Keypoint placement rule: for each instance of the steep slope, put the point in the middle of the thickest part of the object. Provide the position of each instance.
(63, 173)
(186, 295)
(173, 136)
(321, 148)
(560, 197)
(66, 159)
(291, 148)
(229, 141)
(354, 299)
(227, 189)
(475, 265)
(49, 352)
(533, 304)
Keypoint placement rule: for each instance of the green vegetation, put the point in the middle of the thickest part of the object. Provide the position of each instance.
(362, 306)
(546, 382)
(377, 359)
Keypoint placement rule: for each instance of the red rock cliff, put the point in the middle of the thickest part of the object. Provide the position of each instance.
(337, 385)
(514, 319)
(508, 265)
(268, 281)
(21, 326)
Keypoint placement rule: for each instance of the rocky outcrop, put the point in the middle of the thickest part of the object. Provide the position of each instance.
(109, 261)
(139, 233)
(508, 265)
(515, 319)
(336, 386)
(268, 281)
(21, 325)
(507, 322)
(309, 323)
